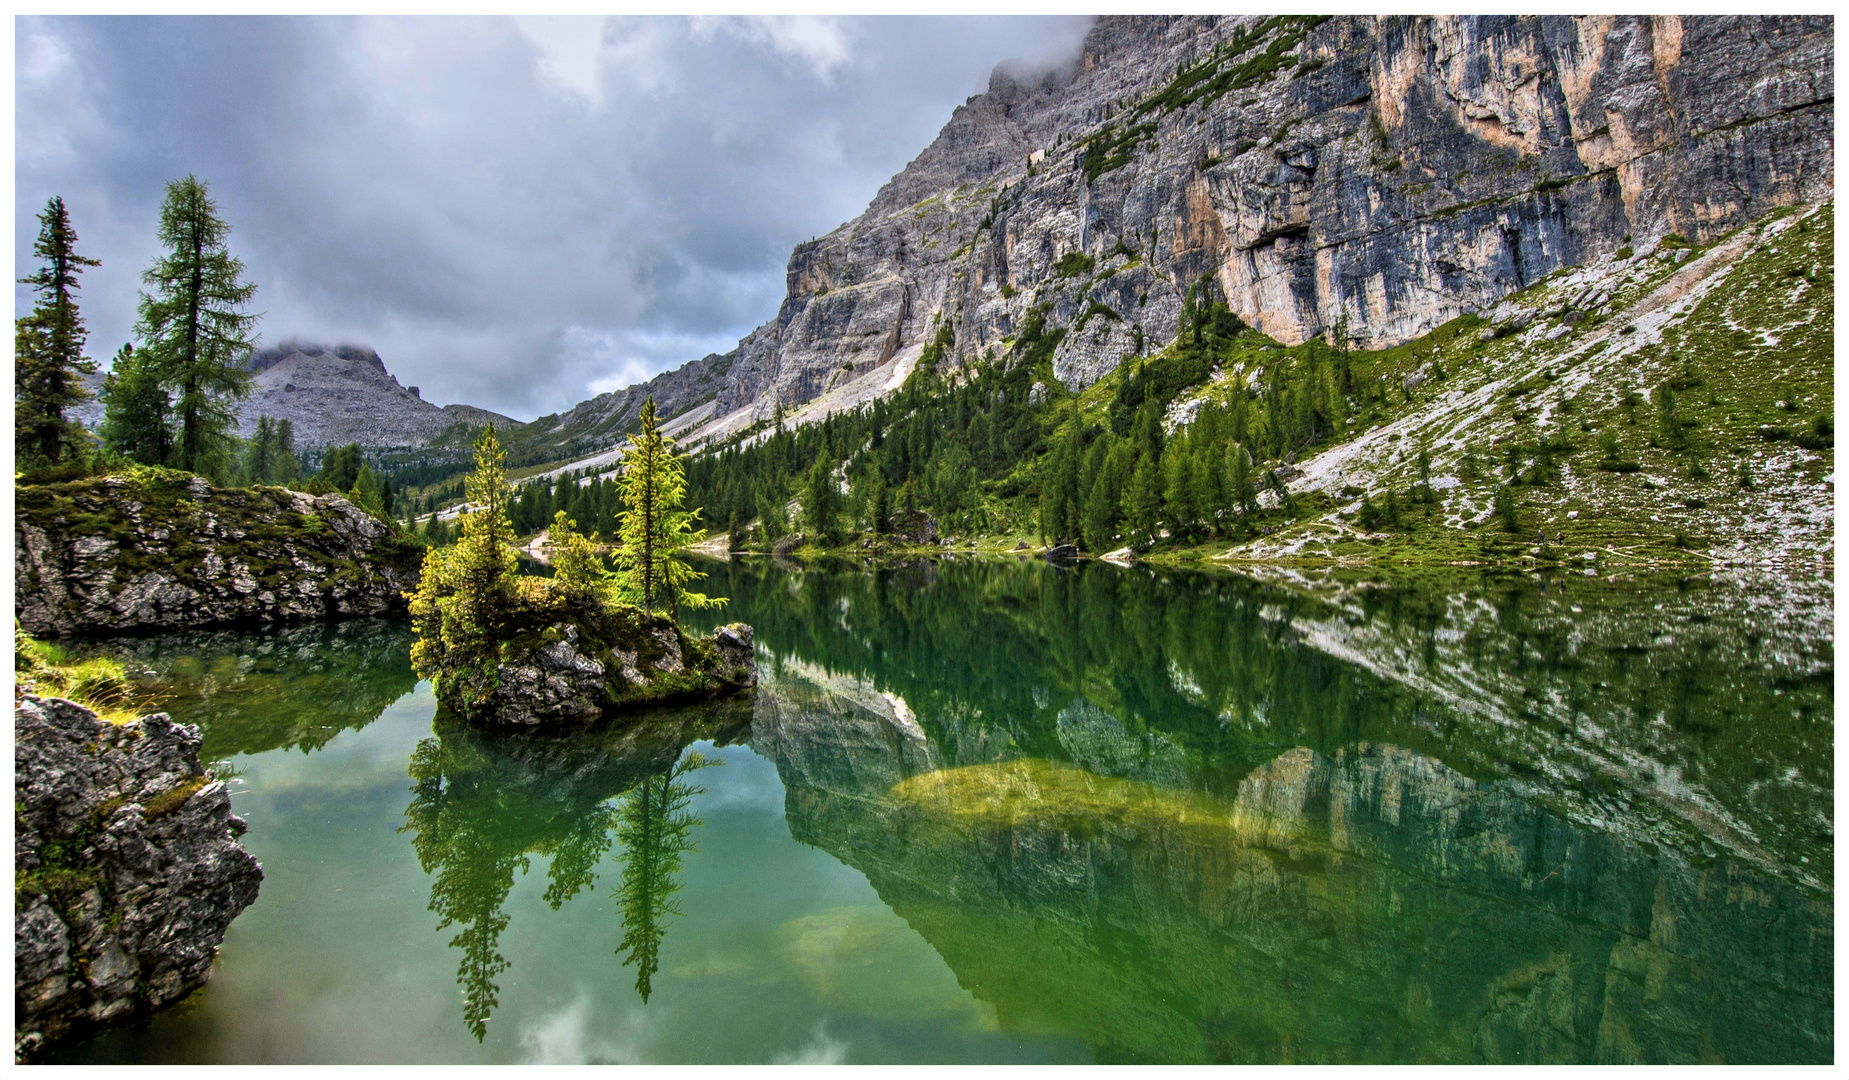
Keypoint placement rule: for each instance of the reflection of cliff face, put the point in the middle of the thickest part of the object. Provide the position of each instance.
(256, 690)
(1368, 904)
(485, 802)
(1696, 714)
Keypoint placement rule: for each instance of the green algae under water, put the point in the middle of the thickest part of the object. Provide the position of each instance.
(998, 811)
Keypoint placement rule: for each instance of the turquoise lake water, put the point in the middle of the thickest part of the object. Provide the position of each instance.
(998, 811)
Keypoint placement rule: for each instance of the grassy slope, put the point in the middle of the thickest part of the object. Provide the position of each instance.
(1745, 323)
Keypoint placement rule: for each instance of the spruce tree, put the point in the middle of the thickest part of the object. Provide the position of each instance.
(821, 499)
(137, 409)
(193, 324)
(48, 348)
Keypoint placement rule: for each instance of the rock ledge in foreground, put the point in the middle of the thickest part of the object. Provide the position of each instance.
(125, 868)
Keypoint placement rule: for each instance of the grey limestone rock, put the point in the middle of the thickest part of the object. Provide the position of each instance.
(115, 554)
(1386, 174)
(567, 676)
(125, 867)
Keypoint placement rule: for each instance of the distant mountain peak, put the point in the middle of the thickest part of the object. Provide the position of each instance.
(264, 359)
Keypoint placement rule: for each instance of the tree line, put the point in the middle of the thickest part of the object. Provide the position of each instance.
(1001, 444)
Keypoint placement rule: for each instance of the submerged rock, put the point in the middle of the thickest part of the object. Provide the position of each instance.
(126, 872)
(166, 550)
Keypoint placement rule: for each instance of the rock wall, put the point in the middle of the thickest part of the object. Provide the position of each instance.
(126, 873)
(166, 551)
(1372, 176)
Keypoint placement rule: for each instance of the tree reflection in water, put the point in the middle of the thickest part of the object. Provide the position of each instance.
(654, 825)
(484, 803)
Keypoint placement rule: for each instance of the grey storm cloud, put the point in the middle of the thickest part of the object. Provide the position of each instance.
(516, 213)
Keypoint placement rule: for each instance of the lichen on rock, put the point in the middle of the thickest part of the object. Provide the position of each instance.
(566, 666)
(126, 871)
(166, 550)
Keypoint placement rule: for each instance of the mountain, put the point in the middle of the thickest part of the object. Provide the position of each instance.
(343, 394)
(1371, 177)
(334, 396)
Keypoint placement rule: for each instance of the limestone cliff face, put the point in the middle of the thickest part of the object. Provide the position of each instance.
(1374, 176)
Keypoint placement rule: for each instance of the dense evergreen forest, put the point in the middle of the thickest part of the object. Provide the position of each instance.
(1002, 445)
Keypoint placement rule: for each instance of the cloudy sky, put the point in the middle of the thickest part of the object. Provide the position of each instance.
(516, 214)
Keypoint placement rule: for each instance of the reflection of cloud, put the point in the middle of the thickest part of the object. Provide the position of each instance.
(750, 785)
(867, 961)
(564, 1037)
(821, 1050)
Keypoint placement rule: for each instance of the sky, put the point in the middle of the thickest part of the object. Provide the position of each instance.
(517, 213)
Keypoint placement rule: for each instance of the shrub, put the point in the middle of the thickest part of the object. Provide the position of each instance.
(1073, 264)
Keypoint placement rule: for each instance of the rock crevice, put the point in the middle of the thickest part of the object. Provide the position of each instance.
(126, 872)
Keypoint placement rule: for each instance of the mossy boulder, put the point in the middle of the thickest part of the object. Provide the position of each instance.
(580, 665)
(167, 550)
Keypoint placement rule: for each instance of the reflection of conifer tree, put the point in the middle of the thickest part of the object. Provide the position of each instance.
(576, 854)
(473, 832)
(472, 877)
(653, 824)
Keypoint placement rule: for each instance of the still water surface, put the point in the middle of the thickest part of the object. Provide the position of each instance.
(1003, 812)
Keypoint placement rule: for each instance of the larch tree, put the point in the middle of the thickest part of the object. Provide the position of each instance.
(48, 347)
(466, 597)
(655, 526)
(194, 326)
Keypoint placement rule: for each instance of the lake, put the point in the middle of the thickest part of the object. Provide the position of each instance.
(999, 811)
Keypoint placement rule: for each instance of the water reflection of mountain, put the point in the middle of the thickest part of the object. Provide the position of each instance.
(252, 690)
(486, 802)
(1696, 714)
(1367, 903)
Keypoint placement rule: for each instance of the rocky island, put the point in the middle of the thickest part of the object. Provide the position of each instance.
(506, 649)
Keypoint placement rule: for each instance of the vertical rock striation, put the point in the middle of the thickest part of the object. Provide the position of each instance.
(1372, 176)
(125, 871)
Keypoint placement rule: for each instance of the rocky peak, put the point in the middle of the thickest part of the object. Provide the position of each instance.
(264, 359)
(342, 394)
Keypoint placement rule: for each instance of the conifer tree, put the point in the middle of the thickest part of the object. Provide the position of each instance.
(820, 499)
(259, 456)
(465, 600)
(48, 347)
(368, 493)
(137, 410)
(1143, 501)
(577, 572)
(654, 526)
(193, 325)
(1243, 492)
